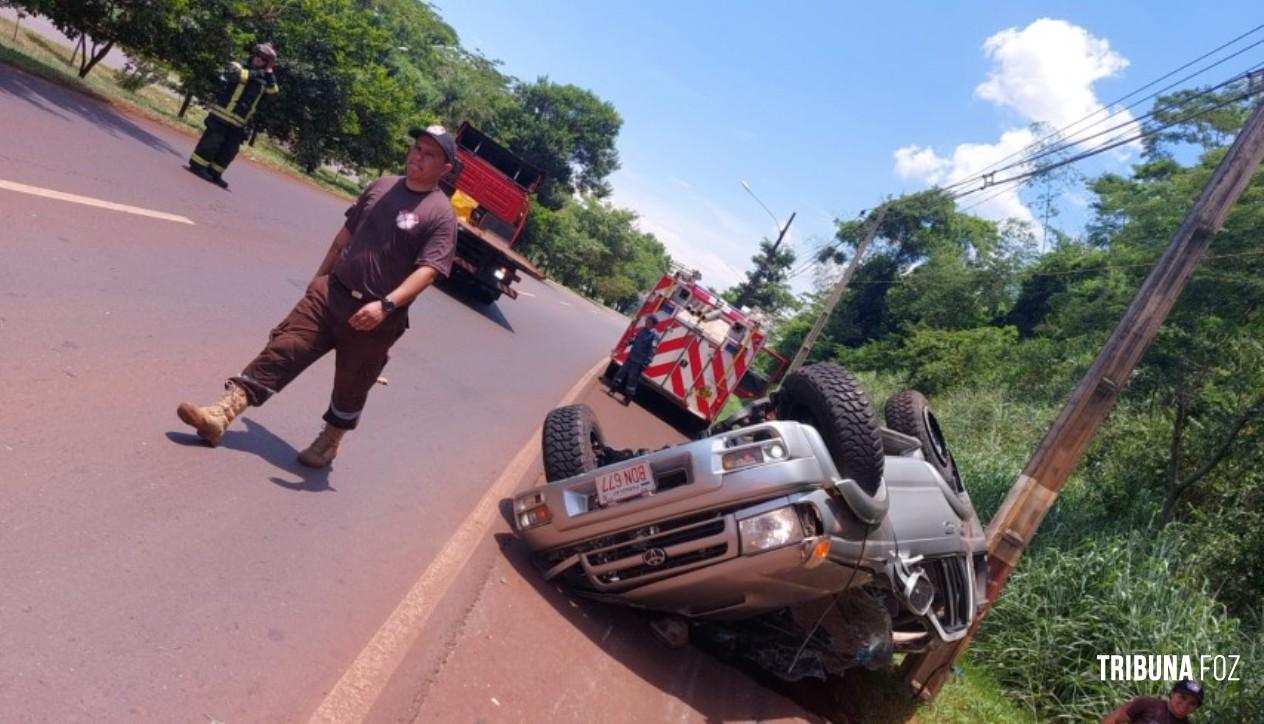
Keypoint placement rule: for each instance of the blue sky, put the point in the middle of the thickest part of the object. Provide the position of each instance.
(812, 102)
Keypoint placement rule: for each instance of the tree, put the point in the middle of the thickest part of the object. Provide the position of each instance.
(565, 131)
(335, 84)
(596, 249)
(1202, 372)
(18, 11)
(207, 37)
(1050, 179)
(767, 285)
(143, 26)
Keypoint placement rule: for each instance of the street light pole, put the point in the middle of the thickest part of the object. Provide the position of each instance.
(748, 291)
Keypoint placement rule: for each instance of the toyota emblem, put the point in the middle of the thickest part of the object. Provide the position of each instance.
(654, 557)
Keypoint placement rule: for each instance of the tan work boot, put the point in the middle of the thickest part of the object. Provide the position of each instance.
(323, 449)
(211, 421)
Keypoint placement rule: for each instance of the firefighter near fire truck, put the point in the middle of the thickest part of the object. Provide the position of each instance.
(705, 351)
(242, 88)
(641, 351)
(398, 238)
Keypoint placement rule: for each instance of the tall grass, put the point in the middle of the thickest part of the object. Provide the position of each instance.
(1116, 595)
(1099, 577)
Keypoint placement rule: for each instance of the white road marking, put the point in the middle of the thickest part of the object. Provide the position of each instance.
(357, 691)
(526, 294)
(564, 304)
(89, 201)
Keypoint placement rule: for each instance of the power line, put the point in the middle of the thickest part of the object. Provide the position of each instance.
(1110, 144)
(1034, 145)
(1071, 272)
(1010, 183)
(1059, 147)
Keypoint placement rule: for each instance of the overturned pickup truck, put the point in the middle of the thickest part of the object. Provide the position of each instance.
(799, 513)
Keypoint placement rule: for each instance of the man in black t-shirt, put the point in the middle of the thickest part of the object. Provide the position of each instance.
(1185, 697)
(399, 237)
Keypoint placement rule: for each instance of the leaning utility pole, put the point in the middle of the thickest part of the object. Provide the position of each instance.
(871, 230)
(1036, 489)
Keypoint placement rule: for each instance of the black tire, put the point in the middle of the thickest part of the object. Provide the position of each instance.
(829, 398)
(570, 442)
(909, 412)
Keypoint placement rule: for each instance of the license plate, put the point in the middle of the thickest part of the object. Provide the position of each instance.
(623, 483)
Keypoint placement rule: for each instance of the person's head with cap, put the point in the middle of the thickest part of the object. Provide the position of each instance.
(432, 155)
(264, 54)
(650, 321)
(1186, 696)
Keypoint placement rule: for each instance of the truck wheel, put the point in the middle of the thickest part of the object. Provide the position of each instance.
(909, 412)
(570, 442)
(829, 398)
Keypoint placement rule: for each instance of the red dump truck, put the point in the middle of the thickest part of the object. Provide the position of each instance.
(490, 189)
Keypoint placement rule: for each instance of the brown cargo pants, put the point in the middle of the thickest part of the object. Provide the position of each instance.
(316, 325)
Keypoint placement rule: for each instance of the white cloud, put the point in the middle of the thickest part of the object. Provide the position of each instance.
(1045, 73)
(699, 234)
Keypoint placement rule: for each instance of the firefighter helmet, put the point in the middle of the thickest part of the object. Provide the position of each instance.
(265, 51)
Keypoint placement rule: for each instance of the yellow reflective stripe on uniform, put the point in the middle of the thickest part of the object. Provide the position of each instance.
(217, 168)
(199, 160)
(230, 118)
(241, 88)
(272, 89)
(250, 113)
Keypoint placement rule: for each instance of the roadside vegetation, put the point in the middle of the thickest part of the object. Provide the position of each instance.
(1157, 542)
(355, 75)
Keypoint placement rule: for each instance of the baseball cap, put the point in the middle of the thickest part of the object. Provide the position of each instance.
(440, 134)
(1191, 687)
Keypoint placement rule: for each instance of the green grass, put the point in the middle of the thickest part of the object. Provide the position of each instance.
(41, 57)
(973, 696)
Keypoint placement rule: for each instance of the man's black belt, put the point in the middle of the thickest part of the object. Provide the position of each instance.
(353, 293)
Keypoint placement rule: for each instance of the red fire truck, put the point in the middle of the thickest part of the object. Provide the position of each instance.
(705, 350)
(490, 190)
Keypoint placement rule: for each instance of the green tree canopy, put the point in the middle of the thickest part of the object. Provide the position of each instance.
(567, 132)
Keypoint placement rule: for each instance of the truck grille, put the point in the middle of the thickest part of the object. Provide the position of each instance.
(952, 592)
(646, 554)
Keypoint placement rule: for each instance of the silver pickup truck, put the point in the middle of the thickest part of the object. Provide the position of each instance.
(797, 500)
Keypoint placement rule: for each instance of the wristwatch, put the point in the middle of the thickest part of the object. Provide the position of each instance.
(387, 305)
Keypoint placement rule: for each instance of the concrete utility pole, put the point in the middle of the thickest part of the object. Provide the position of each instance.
(871, 230)
(1036, 489)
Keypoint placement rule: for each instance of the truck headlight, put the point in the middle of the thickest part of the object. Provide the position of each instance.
(751, 456)
(531, 511)
(500, 274)
(770, 530)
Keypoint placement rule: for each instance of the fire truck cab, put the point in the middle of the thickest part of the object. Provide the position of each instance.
(706, 347)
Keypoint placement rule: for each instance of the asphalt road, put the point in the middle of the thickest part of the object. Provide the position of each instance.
(143, 576)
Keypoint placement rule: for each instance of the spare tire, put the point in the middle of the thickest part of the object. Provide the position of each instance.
(829, 398)
(570, 442)
(909, 412)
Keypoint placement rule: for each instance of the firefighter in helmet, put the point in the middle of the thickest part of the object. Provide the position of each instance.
(228, 123)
